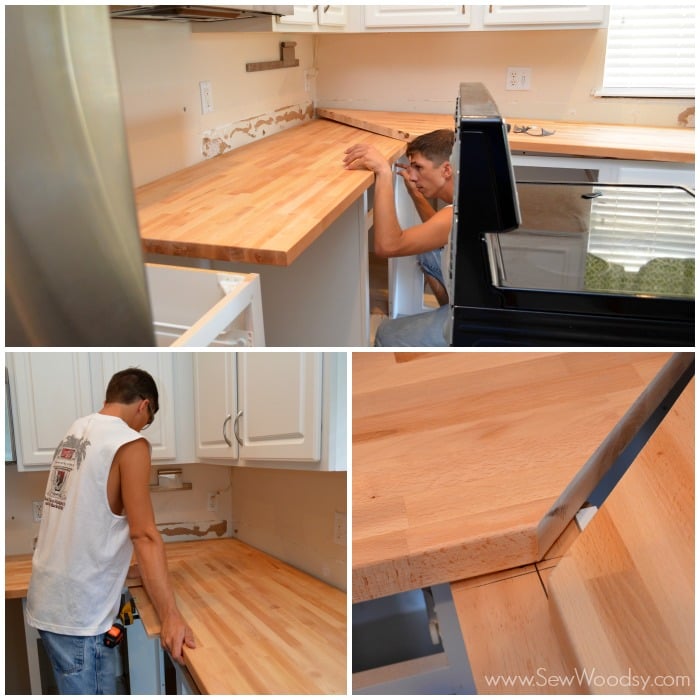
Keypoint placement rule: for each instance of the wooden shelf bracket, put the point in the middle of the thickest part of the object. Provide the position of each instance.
(287, 59)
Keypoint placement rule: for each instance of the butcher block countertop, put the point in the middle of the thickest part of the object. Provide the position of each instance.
(676, 145)
(623, 595)
(263, 203)
(471, 463)
(260, 626)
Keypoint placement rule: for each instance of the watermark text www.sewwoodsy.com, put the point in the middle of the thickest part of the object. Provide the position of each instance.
(589, 678)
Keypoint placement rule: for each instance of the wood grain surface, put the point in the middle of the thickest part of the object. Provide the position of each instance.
(512, 645)
(469, 463)
(262, 203)
(261, 626)
(18, 571)
(570, 138)
(624, 592)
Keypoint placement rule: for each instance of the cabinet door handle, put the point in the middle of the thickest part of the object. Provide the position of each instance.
(235, 427)
(223, 430)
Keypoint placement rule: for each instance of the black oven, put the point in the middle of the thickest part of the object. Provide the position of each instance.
(563, 263)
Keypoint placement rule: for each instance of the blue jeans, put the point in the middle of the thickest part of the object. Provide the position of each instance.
(419, 330)
(81, 665)
(431, 264)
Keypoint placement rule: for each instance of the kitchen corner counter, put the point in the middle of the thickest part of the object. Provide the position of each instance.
(260, 625)
(264, 203)
(667, 144)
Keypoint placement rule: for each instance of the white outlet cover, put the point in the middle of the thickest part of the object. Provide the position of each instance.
(205, 96)
(518, 78)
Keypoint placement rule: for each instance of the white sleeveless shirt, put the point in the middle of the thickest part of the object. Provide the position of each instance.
(83, 550)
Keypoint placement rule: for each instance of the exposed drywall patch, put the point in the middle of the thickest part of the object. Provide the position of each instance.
(191, 530)
(687, 118)
(225, 138)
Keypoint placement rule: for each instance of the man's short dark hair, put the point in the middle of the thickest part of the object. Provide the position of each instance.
(132, 384)
(436, 146)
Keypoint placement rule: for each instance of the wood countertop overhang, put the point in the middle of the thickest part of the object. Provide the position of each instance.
(262, 203)
(471, 463)
(260, 625)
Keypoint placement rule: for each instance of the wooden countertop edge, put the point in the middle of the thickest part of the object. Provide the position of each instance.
(447, 563)
(610, 449)
(281, 256)
(259, 256)
(531, 144)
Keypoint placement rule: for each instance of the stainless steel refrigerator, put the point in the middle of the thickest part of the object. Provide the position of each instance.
(74, 272)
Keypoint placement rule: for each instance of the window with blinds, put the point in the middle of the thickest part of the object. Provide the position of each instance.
(632, 226)
(650, 51)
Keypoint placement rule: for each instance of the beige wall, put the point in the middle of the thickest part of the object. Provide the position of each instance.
(160, 65)
(21, 488)
(290, 514)
(422, 72)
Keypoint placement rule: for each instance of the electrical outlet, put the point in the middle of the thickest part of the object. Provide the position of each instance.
(37, 507)
(340, 531)
(518, 78)
(211, 501)
(205, 96)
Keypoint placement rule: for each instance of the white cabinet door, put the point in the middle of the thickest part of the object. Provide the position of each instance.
(545, 15)
(51, 390)
(214, 404)
(332, 15)
(300, 14)
(279, 406)
(417, 15)
(161, 434)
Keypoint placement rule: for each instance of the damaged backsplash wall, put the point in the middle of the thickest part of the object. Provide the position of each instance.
(286, 513)
(179, 514)
(160, 66)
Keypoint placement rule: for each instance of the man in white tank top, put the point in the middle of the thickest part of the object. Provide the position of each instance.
(429, 176)
(97, 511)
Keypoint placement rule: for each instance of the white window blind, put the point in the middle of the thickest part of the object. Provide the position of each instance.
(650, 51)
(631, 226)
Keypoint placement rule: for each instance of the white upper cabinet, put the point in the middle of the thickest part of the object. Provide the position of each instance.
(279, 406)
(215, 399)
(300, 14)
(253, 408)
(316, 18)
(49, 392)
(417, 16)
(161, 434)
(332, 15)
(482, 17)
(542, 16)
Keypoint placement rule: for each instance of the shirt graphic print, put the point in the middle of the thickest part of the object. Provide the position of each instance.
(67, 458)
